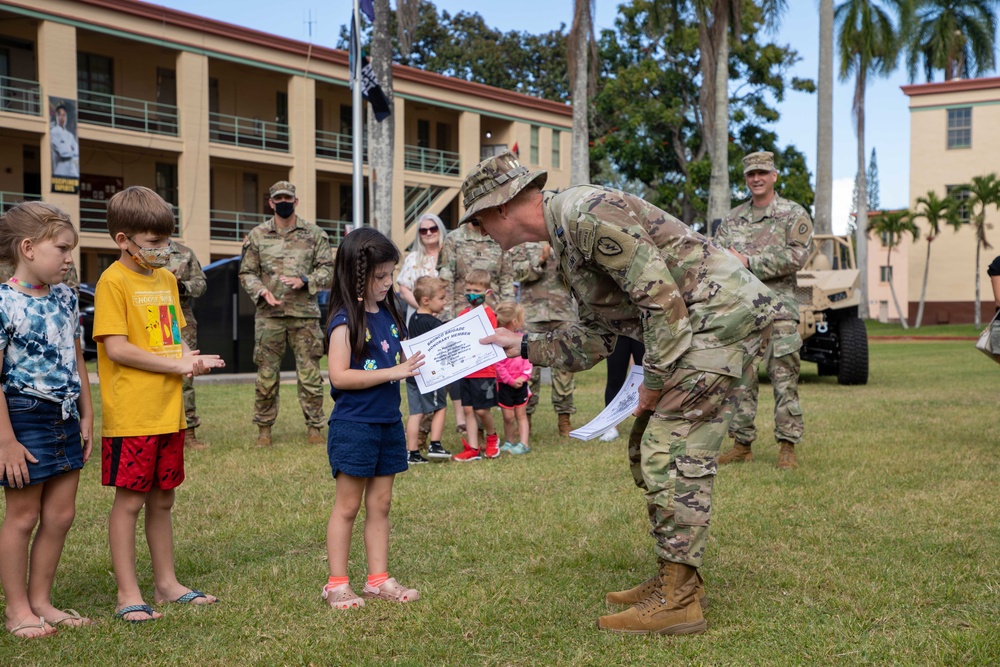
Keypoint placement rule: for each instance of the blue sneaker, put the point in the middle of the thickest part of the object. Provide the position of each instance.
(519, 448)
(506, 447)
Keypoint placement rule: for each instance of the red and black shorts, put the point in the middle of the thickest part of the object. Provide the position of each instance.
(139, 463)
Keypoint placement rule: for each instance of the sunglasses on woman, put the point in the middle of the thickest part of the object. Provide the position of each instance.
(427, 231)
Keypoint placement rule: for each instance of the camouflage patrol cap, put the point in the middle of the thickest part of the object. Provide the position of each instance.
(759, 161)
(282, 188)
(495, 181)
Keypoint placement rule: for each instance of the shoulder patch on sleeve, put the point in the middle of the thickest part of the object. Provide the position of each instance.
(614, 247)
(802, 229)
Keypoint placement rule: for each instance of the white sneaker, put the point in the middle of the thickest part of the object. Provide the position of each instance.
(609, 435)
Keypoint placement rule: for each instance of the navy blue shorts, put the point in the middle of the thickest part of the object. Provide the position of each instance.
(366, 450)
(54, 441)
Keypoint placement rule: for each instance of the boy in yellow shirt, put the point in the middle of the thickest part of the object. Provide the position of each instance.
(141, 361)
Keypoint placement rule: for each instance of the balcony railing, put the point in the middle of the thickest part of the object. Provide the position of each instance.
(232, 225)
(335, 229)
(20, 96)
(248, 132)
(338, 146)
(9, 200)
(431, 161)
(127, 113)
(94, 216)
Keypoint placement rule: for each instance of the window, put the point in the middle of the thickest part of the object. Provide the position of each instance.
(960, 128)
(960, 196)
(423, 134)
(534, 144)
(95, 73)
(166, 182)
(556, 148)
(886, 238)
(885, 273)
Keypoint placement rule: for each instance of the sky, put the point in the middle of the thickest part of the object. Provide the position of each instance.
(888, 120)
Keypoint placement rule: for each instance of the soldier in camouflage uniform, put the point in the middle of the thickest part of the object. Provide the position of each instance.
(548, 306)
(191, 284)
(771, 236)
(465, 249)
(286, 262)
(637, 271)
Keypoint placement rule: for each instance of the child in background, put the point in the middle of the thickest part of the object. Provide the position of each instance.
(366, 443)
(513, 376)
(429, 293)
(479, 389)
(141, 361)
(46, 414)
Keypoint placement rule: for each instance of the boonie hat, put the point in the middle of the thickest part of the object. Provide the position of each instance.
(759, 161)
(282, 188)
(495, 181)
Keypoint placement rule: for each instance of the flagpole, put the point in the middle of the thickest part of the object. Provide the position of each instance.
(357, 142)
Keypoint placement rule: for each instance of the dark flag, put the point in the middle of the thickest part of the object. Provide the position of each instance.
(368, 9)
(370, 89)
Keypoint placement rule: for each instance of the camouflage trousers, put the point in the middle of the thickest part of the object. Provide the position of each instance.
(563, 383)
(189, 335)
(672, 451)
(782, 363)
(306, 340)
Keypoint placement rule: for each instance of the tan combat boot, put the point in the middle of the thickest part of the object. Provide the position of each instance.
(786, 456)
(315, 436)
(192, 442)
(646, 588)
(673, 609)
(564, 425)
(740, 453)
(264, 436)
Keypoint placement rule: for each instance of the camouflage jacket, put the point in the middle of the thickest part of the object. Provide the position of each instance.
(544, 294)
(463, 250)
(302, 251)
(637, 271)
(776, 245)
(191, 282)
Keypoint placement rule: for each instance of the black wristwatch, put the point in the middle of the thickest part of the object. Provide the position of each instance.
(524, 347)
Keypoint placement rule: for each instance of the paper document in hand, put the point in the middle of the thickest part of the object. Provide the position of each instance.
(453, 350)
(619, 409)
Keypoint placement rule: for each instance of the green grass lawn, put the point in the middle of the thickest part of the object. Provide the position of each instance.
(882, 549)
(876, 328)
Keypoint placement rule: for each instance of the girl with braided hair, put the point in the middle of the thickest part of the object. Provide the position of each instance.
(366, 442)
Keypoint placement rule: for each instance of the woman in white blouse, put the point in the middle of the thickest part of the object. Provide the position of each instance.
(422, 259)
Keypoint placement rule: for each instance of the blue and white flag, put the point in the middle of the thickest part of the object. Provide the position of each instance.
(370, 89)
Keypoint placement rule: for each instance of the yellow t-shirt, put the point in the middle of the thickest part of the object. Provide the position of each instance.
(147, 310)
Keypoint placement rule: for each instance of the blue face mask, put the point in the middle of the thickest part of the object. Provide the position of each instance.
(475, 299)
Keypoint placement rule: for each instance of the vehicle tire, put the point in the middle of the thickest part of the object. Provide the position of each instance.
(853, 352)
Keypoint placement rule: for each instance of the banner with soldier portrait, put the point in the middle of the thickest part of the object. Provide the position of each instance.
(64, 145)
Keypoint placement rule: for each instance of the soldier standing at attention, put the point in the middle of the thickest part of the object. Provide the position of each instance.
(191, 284)
(548, 306)
(637, 271)
(286, 262)
(772, 237)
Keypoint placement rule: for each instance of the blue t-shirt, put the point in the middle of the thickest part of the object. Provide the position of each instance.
(378, 404)
(37, 336)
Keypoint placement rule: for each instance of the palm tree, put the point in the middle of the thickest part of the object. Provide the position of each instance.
(935, 211)
(824, 122)
(867, 42)
(957, 36)
(582, 58)
(891, 226)
(983, 191)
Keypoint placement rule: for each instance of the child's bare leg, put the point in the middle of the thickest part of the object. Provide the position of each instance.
(121, 531)
(486, 419)
(346, 505)
(471, 435)
(437, 425)
(378, 500)
(523, 425)
(509, 424)
(160, 538)
(22, 509)
(413, 431)
(58, 508)
(459, 412)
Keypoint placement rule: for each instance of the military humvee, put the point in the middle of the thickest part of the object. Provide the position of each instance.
(833, 336)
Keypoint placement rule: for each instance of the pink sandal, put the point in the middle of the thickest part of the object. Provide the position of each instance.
(391, 590)
(342, 597)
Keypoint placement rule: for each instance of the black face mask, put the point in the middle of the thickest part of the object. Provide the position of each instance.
(284, 209)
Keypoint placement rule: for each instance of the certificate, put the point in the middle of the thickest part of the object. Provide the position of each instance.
(453, 350)
(619, 409)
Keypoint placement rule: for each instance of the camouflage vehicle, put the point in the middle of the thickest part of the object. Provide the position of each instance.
(833, 336)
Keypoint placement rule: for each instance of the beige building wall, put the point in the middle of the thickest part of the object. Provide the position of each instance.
(934, 168)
